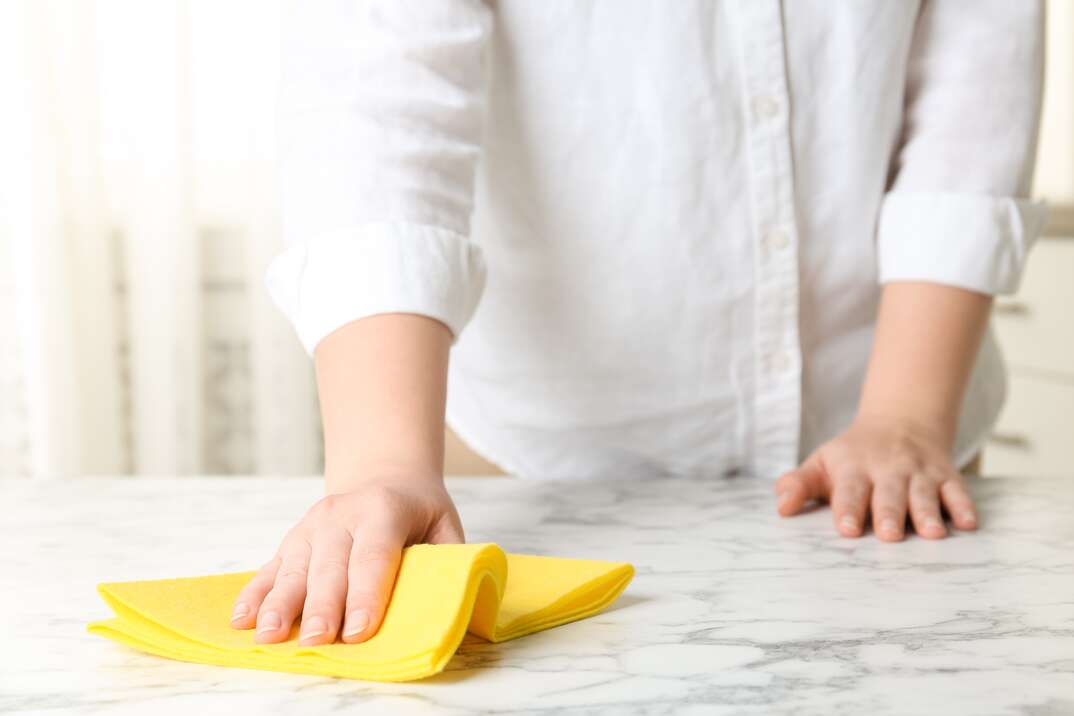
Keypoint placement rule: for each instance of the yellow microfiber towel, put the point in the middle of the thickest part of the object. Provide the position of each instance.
(441, 592)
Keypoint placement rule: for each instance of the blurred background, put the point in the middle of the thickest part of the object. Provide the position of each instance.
(138, 212)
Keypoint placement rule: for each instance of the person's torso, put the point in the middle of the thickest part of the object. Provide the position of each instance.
(677, 205)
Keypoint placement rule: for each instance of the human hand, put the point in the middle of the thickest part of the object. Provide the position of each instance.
(338, 564)
(887, 467)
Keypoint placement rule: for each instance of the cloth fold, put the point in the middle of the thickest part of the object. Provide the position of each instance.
(441, 592)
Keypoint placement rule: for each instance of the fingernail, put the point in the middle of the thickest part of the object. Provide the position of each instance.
(241, 610)
(356, 622)
(782, 498)
(889, 526)
(314, 626)
(268, 622)
(969, 517)
(932, 524)
(849, 521)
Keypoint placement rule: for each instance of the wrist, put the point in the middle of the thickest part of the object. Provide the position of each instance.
(933, 426)
(339, 478)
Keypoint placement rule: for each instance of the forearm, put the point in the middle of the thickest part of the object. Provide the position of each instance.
(382, 382)
(927, 337)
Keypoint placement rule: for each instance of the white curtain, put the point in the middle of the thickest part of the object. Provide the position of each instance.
(138, 211)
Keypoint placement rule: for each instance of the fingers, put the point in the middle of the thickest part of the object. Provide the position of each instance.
(248, 602)
(956, 498)
(797, 487)
(374, 562)
(447, 531)
(889, 508)
(850, 501)
(924, 501)
(326, 590)
(284, 600)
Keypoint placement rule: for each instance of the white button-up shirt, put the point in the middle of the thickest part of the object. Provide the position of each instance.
(664, 226)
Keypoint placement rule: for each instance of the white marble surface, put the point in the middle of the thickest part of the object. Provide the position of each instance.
(733, 610)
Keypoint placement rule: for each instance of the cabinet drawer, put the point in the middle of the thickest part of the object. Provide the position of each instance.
(1035, 328)
(1035, 433)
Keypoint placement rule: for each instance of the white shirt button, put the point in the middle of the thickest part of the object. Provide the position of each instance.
(765, 107)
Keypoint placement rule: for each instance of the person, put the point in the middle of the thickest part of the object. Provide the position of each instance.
(691, 238)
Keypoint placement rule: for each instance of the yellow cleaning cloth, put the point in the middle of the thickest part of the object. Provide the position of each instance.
(441, 592)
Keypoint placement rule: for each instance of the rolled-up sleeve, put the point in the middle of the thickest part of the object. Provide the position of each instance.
(381, 118)
(957, 210)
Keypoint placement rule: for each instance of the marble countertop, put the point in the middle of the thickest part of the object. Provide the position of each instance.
(733, 609)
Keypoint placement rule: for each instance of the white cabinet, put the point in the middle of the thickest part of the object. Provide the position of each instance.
(1035, 434)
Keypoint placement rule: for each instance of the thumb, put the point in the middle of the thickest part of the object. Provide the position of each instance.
(795, 488)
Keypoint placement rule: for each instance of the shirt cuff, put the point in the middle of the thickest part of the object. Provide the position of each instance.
(971, 241)
(379, 267)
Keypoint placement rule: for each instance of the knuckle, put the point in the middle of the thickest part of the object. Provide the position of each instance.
(788, 485)
(922, 509)
(269, 566)
(922, 490)
(257, 584)
(892, 487)
(954, 481)
(853, 485)
(327, 507)
(349, 508)
(328, 573)
(889, 508)
(363, 597)
(276, 602)
(904, 457)
(923, 500)
(325, 605)
(958, 498)
(963, 500)
(897, 513)
(883, 498)
(338, 509)
(905, 466)
(839, 455)
(382, 499)
(939, 473)
(850, 502)
(373, 554)
(296, 534)
(247, 595)
(292, 574)
(332, 563)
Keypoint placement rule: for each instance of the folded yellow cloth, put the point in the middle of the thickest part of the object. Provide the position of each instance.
(441, 592)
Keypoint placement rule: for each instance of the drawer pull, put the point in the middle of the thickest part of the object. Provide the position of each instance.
(1011, 308)
(1011, 440)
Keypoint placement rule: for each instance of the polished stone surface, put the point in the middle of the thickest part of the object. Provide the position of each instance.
(733, 609)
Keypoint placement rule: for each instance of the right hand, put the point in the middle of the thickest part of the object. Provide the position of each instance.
(337, 566)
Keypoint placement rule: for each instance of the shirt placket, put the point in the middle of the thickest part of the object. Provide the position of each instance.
(776, 350)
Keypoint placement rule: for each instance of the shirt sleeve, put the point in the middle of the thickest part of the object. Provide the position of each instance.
(380, 124)
(957, 210)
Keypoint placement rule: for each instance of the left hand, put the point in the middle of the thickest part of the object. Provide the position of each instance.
(886, 467)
